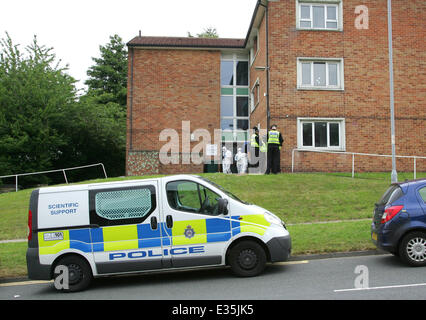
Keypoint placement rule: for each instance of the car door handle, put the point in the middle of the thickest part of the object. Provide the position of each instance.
(169, 222)
(154, 223)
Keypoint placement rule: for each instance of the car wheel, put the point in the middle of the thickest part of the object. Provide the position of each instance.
(79, 274)
(413, 249)
(247, 259)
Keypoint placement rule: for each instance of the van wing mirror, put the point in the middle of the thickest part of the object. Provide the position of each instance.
(222, 206)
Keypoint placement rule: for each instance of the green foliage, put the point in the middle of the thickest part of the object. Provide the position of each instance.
(209, 32)
(96, 132)
(44, 125)
(34, 93)
(108, 76)
(100, 135)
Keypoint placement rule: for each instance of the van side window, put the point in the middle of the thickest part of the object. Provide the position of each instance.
(122, 206)
(192, 197)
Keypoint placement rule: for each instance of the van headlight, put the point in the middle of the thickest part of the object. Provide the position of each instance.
(272, 218)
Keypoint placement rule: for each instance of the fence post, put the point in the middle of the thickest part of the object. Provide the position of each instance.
(16, 183)
(65, 176)
(353, 165)
(292, 161)
(103, 167)
(415, 169)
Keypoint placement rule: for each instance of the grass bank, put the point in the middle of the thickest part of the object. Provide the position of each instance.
(297, 198)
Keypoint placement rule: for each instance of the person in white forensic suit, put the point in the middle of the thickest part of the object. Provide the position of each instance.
(242, 161)
(227, 160)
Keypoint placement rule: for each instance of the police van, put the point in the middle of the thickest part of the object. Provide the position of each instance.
(134, 226)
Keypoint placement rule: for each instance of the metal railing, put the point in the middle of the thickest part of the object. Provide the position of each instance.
(51, 171)
(353, 154)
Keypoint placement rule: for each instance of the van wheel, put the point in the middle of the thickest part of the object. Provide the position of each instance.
(79, 274)
(247, 259)
(413, 249)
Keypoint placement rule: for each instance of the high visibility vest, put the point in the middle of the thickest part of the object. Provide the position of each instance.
(274, 137)
(253, 142)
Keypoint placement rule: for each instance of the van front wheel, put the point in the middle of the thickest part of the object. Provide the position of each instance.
(247, 259)
(78, 271)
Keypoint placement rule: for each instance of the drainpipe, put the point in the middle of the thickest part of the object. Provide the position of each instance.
(268, 114)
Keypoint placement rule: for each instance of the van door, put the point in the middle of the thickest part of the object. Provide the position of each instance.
(197, 232)
(125, 231)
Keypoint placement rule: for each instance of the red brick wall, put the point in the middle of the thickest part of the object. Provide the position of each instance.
(364, 104)
(259, 113)
(169, 86)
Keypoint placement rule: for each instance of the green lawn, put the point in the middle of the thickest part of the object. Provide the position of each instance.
(296, 198)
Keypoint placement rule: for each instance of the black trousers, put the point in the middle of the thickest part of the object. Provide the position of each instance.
(274, 157)
(254, 157)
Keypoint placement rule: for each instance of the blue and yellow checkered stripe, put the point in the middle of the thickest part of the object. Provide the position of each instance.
(140, 236)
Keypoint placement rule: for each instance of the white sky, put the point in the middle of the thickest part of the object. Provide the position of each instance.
(76, 28)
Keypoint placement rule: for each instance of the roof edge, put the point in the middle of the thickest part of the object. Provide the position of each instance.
(209, 41)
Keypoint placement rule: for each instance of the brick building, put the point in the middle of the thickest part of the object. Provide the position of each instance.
(316, 68)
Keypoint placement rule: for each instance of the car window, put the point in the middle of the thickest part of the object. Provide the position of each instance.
(391, 195)
(190, 196)
(422, 193)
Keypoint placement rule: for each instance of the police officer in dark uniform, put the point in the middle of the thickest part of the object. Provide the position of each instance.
(254, 148)
(275, 141)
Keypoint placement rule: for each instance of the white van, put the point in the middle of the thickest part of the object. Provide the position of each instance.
(134, 226)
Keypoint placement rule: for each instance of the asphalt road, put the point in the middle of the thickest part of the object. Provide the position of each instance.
(324, 279)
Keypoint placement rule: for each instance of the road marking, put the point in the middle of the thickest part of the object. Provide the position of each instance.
(291, 262)
(383, 287)
(23, 283)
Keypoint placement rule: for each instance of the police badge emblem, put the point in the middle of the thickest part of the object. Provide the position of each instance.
(189, 232)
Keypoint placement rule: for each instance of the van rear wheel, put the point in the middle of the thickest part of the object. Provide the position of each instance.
(247, 259)
(78, 271)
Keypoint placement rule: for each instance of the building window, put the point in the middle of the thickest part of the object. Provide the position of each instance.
(255, 47)
(234, 102)
(320, 74)
(321, 134)
(319, 15)
(255, 95)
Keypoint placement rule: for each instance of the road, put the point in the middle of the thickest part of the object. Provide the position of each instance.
(325, 279)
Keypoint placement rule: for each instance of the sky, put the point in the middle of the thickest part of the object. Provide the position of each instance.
(75, 29)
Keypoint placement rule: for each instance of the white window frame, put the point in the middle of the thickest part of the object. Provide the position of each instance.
(340, 74)
(254, 103)
(235, 57)
(336, 3)
(342, 134)
(253, 54)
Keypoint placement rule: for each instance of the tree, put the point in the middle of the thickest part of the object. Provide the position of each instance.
(34, 93)
(109, 73)
(207, 33)
(96, 133)
(44, 125)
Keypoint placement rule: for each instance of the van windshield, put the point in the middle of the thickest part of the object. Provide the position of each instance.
(231, 195)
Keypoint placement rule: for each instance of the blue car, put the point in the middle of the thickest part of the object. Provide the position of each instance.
(399, 222)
